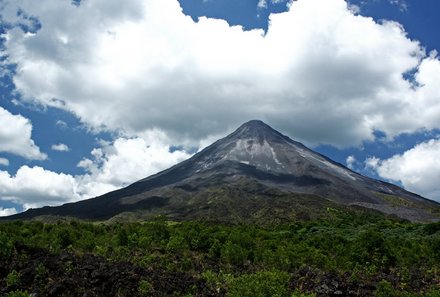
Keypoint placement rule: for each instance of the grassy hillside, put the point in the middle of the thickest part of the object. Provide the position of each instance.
(345, 254)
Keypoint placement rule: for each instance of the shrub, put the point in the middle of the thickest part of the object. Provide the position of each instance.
(385, 289)
(177, 244)
(5, 246)
(65, 238)
(122, 237)
(433, 293)
(214, 250)
(40, 272)
(233, 253)
(371, 249)
(301, 294)
(144, 287)
(13, 278)
(18, 293)
(260, 284)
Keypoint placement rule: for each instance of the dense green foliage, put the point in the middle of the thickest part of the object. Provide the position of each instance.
(370, 255)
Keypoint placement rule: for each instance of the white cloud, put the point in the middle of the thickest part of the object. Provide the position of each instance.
(354, 8)
(418, 169)
(126, 161)
(262, 4)
(372, 163)
(7, 211)
(403, 6)
(321, 73)
(61, 147)
(113, 165)
(4, 162)
(15, 136)
(35, 187)
(350, 161)
(62, 124)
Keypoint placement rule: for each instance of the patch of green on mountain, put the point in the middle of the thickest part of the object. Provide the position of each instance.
(406, 202)
(396, 200)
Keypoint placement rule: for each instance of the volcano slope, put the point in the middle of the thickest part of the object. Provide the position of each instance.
(255, 174)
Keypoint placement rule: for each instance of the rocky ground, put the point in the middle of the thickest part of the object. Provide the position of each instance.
(41, 273)
(66, 274)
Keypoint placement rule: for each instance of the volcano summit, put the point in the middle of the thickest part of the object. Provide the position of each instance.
(253, 174)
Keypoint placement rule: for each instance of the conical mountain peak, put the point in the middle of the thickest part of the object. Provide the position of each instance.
(258, 131)
(255, 144)
(253, 128)
(243, 174)
(254, 124)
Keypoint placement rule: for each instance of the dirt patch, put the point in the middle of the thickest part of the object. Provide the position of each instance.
(67, 274)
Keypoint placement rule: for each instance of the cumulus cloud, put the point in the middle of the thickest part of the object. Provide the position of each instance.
(321, 73)
(15, 136)
(418, 169)
(354, 8)
(125, 161)
(61, 147)
(4, 162)
(372, 163)
(113, 165)
(35, 187)
(7, 211)
(350, 161)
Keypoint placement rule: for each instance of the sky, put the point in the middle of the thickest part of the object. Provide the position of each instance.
(96, 94)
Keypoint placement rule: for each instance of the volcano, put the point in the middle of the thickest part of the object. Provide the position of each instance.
(253, 174)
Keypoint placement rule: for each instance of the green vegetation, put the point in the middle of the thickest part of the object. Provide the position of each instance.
(18, 293)
(145, 287)
(345, 254)
(13, 278)
(259, 284)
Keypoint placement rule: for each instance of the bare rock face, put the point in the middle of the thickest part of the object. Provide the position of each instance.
(253, 173)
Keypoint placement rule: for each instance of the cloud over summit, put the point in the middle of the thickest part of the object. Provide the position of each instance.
(321, 73)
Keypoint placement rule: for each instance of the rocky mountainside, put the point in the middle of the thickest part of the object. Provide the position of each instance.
(253, 174)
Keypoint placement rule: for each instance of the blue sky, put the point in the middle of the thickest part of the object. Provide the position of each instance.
(95, 95)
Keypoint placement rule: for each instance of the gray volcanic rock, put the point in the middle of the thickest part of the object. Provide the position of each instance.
(252, 171)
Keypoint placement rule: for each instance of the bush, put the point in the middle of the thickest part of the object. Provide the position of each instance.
(385, 289)
(212, 279)
(234, 254)
(5, 246)
(18, 293)
(215, 248)
(13, 278)
(433, 293)
(371, 249)
(144, 287)
(301, 294)
(177, 244)
(432, 228)
(65, 238)
(40, 272)
(260, 284)
(122, 237)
